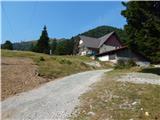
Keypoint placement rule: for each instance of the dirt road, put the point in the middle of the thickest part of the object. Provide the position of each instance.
(54, 100)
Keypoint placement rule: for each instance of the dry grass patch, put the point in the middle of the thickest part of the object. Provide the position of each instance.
(18, 75)
(53, 66)
(113, 100)
(22, 71)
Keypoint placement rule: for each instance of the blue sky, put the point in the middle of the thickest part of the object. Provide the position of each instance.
(23, 21)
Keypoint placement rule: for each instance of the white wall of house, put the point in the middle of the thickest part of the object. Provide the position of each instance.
(104, 58)
(108, 58)
(80, 42)
(83, 53)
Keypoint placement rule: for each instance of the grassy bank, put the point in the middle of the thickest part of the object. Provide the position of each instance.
(54, 66)
(113, 100)
(19, 73)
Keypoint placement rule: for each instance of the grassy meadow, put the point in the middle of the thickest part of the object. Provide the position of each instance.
(52, 66)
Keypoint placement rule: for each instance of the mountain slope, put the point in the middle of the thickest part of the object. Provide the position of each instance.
(103, 30)
(99, 32)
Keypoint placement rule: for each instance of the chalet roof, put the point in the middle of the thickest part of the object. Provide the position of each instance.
(90, 42)
(95, 42)
(104, 38)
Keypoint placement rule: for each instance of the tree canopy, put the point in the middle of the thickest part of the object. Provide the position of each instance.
(64, 47)
(143, 27)
(7, 45)
(53, 45)
(42, 45)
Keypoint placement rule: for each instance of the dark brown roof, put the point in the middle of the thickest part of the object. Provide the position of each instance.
(112, 51)
(95, 42)
(104, 38)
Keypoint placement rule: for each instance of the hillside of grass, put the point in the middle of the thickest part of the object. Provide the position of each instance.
(51, 66)
(115, 100)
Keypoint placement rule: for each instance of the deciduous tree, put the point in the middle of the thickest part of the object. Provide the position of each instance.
(7, 45)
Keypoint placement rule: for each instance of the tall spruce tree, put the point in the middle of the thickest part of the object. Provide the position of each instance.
(143, 27)
(43, 43)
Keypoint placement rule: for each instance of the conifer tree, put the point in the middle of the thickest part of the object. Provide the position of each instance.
(43, 43)
(143, 27)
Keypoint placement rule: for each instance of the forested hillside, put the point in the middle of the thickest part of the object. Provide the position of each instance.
(26, 46)
(96, 32)
(103, 30)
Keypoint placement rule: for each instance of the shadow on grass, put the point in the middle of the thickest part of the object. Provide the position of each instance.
(151, 70)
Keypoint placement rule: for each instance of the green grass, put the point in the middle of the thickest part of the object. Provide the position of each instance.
(53, 66)
(108, 95)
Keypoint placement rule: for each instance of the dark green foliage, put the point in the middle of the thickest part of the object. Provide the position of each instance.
(41, 59)
(24, 46)
(122, 64)
(43, 43)
(103, 30)
(33, 47)
(53, 45)
(131, 63)
(143, 27)
(7, 45)
(64, 47)
(152, 70)
(76, 40)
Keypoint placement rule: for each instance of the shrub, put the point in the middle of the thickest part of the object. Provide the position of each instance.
(131, 63)
(41, 59)
(122, 64)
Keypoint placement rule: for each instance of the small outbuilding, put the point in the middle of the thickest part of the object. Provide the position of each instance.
(123, 53)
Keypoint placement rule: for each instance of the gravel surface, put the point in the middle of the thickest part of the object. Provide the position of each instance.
(141, 78)
(54, 100)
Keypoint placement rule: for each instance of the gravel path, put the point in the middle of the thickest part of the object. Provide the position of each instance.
(54, 100)
(141, 78)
